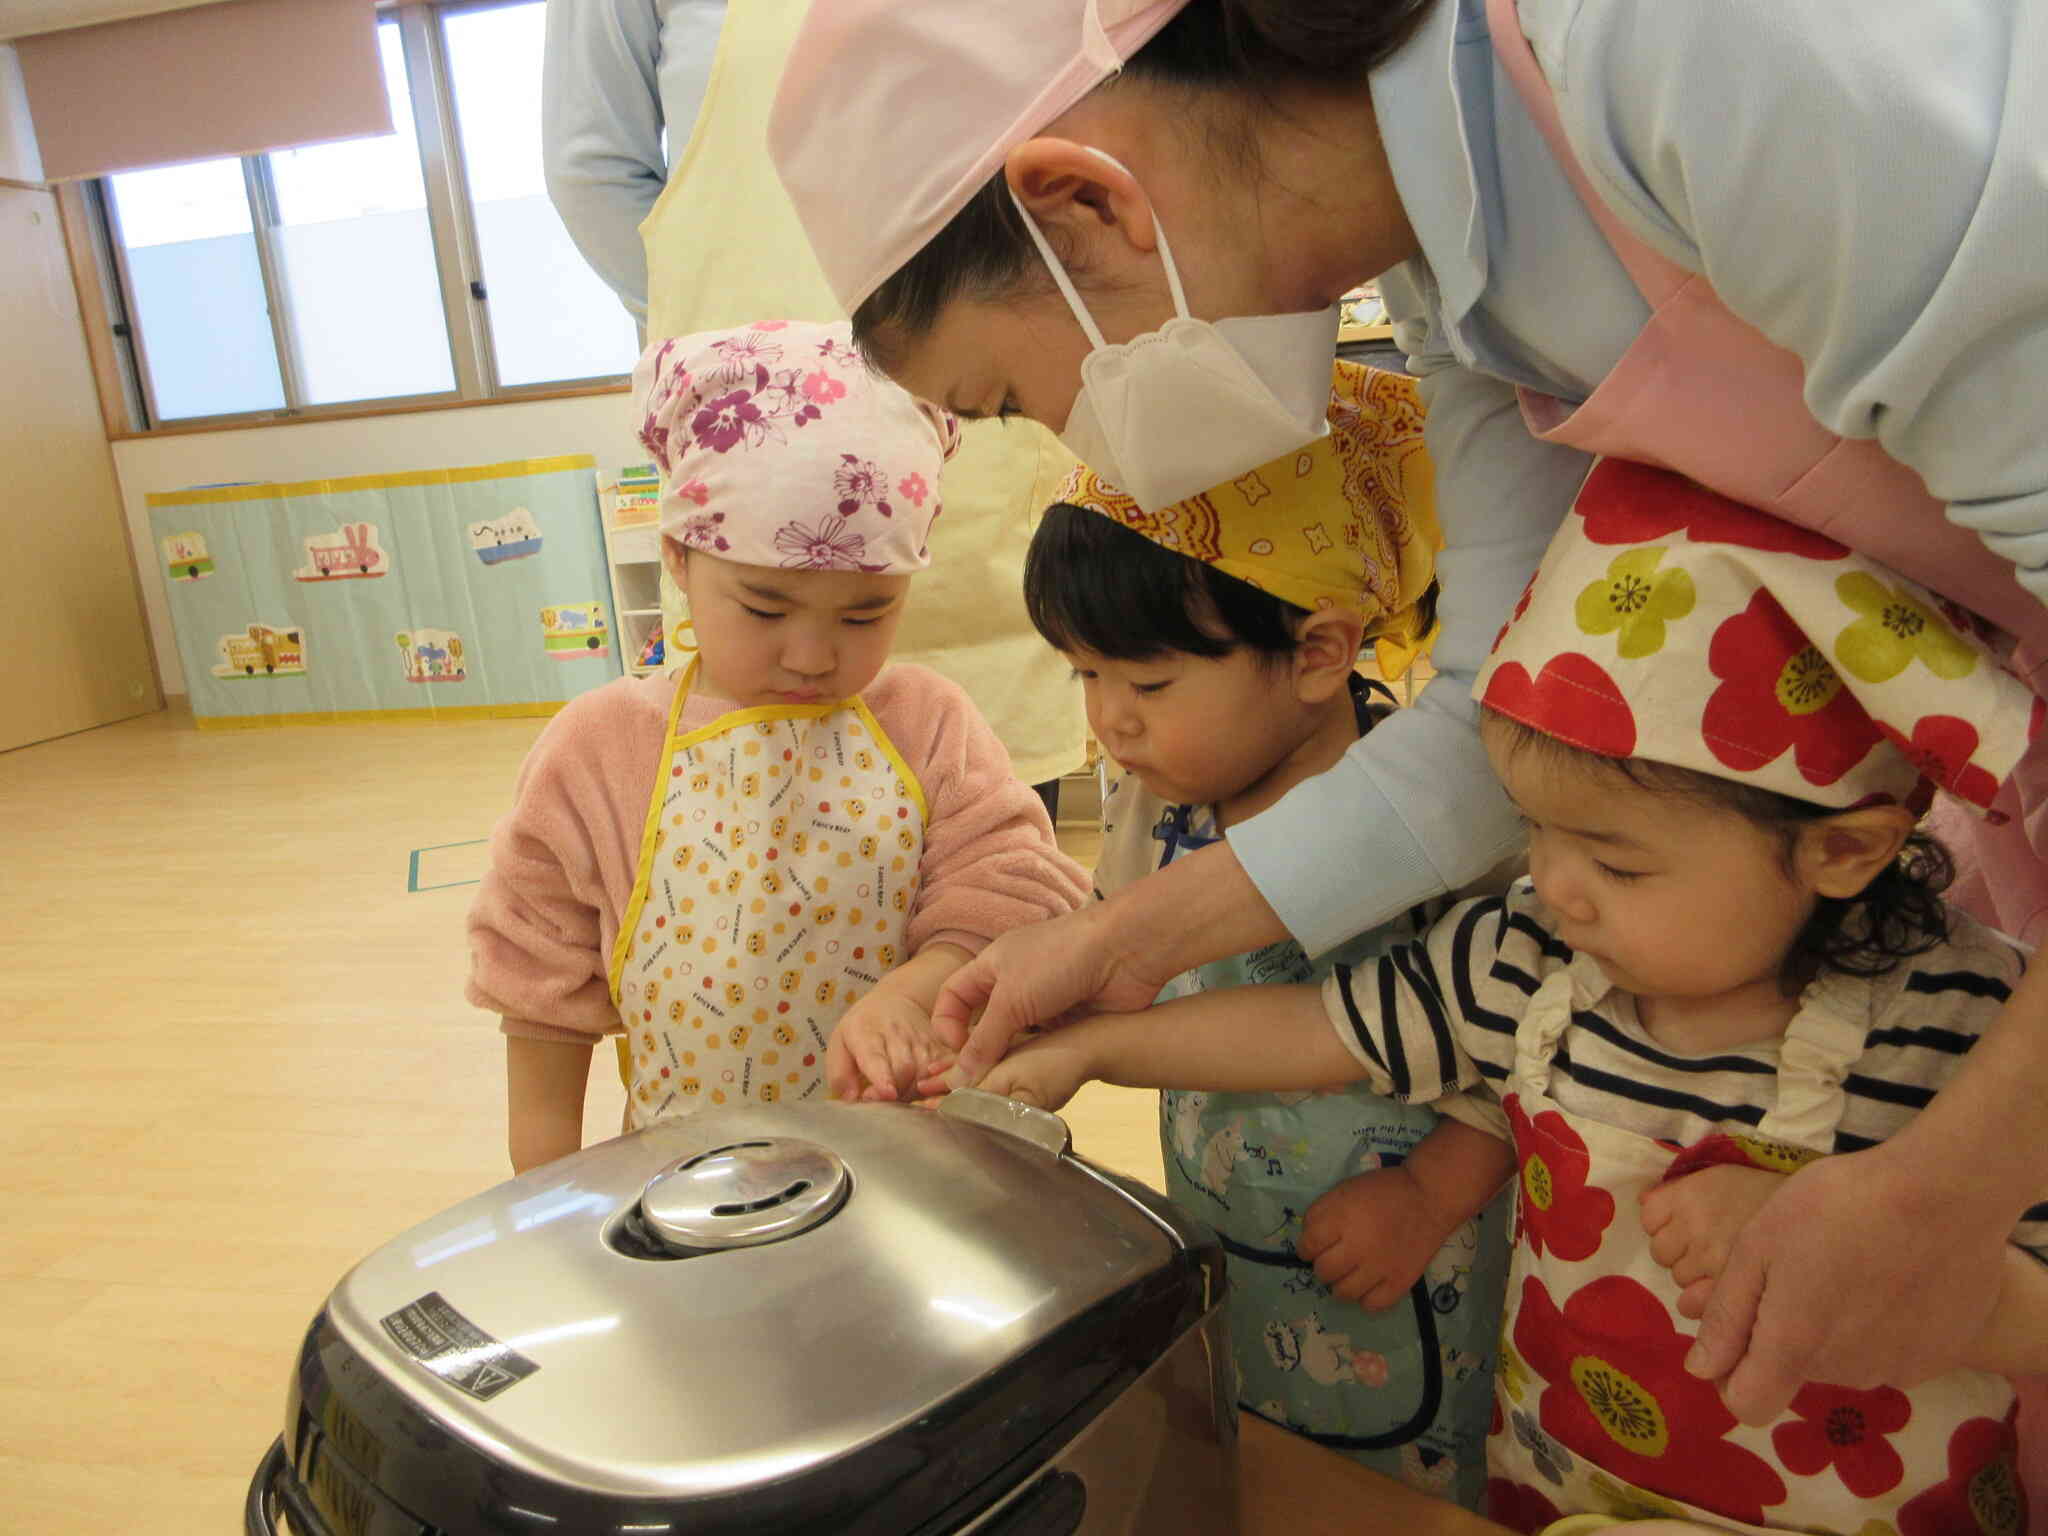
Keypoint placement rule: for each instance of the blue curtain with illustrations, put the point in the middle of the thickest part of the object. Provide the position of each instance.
(472, 591)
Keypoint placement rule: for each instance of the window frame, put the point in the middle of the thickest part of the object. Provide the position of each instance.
(451, 223)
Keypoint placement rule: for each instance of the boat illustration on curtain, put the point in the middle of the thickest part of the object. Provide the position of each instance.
(511, 537)
(350, 554)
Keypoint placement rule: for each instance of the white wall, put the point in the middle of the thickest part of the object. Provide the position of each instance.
(19, 160)
(600, 425)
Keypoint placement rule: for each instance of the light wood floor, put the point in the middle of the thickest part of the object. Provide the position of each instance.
(234, 1057)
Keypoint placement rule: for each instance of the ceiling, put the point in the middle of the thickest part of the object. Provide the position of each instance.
(20, 17)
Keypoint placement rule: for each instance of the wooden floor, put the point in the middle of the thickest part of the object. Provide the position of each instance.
(234, 1057)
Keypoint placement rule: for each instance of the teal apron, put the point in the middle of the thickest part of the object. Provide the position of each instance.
(1407, 1392)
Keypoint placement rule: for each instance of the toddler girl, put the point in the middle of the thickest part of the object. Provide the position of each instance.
(758, 874)
(1216, 643)
(1731, 951)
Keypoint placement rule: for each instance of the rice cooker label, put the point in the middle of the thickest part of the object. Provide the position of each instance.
(455, 1349)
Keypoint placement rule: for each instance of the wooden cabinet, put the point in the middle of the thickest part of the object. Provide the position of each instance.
(70, 616)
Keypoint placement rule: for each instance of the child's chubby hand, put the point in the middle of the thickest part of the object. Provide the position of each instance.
(884, 1050)
(1371, 1236)
(1693, 1222)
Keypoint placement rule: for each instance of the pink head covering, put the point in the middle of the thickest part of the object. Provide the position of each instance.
(779, 447)
(1670, 623)
(931, 95)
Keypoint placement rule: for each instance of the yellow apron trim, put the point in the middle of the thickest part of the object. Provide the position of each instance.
(755, 715)
(643, 872)
(274, 490)
(924, 810)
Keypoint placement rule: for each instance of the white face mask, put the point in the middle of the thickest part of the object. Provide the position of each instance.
(1177, 411)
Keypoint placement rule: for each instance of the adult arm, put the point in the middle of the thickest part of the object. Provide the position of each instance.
(607, 89)
(1868, 187)
(1390, 1024)
(1816, 1284)
(1412, 810)
(2015, 1340)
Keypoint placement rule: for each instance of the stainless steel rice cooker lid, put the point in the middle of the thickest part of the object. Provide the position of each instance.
(754, 1297)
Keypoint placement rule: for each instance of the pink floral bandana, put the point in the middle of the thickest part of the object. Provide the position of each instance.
(1670, 623)
(779, 447)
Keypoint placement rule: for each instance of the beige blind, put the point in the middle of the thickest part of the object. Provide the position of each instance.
(233, 78)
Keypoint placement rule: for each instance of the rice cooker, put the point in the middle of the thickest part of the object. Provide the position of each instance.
(845, 1318)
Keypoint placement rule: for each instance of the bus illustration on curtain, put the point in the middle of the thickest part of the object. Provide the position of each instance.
(350, 554)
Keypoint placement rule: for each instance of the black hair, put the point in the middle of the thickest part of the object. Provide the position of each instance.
(1094, 584)
(1898, 915)
(1253, 46)
(1238, 52)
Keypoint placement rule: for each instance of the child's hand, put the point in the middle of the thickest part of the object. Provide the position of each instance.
(1046, 1070)
(883, 1049)
(1371, 1236)
(1693, 1223)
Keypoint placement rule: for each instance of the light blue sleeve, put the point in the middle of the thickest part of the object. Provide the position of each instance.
(1413, 810)
(601, 122)
(1868, 186)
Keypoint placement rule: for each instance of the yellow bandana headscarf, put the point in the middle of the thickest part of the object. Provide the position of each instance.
(1349, 520)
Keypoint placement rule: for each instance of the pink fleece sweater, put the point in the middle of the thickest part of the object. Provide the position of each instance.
(563, 862)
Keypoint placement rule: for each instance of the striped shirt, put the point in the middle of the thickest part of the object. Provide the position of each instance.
(1439, 1016)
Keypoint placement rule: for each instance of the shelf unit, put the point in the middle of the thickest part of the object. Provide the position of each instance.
(632, 548)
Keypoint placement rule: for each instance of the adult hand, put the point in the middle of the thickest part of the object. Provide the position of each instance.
(1855, 1272)
(1039, 976)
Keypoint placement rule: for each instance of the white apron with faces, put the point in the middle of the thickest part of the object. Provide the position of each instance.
(777, 874)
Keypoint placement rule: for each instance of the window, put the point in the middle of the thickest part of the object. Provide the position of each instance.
(356, 260)
(551, 317)
(422, 263)
(196, 291)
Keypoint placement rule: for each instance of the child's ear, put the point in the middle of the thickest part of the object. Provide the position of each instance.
(1325, 651)
(1840, 855)
(676, 560)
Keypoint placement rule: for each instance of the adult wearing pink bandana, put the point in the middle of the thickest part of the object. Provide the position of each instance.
(1794, 252)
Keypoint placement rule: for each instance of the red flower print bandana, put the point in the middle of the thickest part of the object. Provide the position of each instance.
(779, 447)
(1670, 623)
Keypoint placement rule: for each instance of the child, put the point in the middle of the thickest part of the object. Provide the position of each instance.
(1731, 950)
(758, 874)
(1216, 643)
